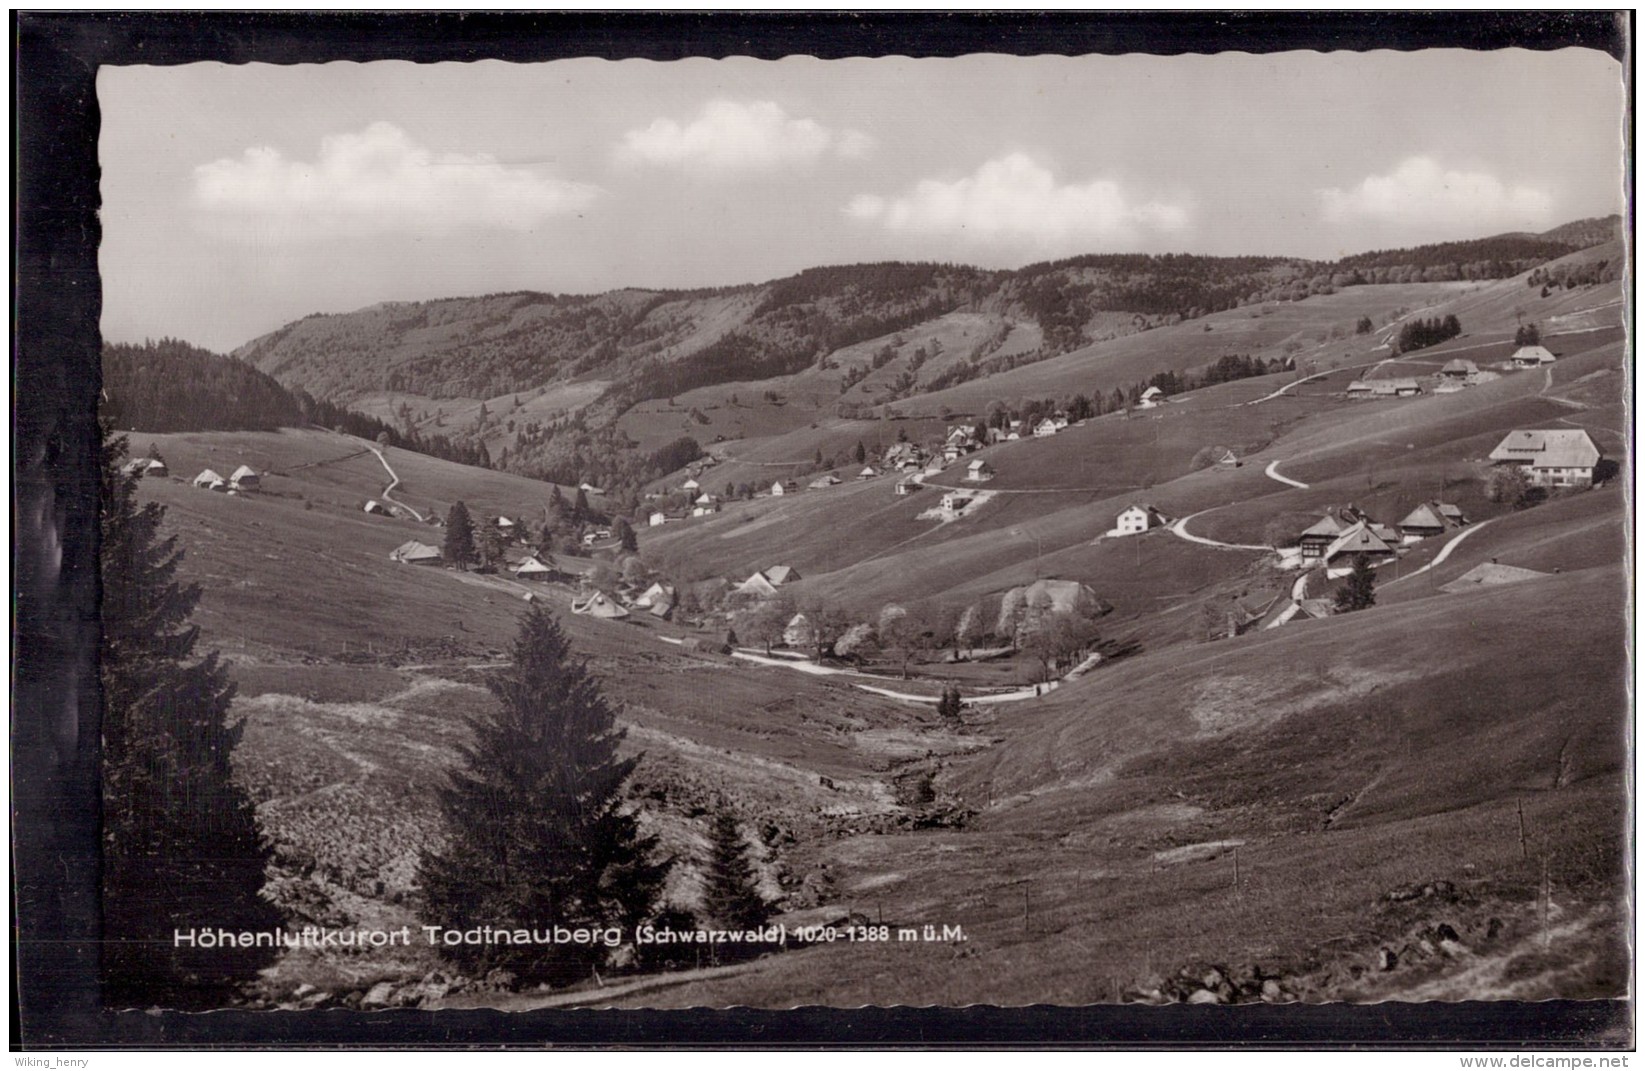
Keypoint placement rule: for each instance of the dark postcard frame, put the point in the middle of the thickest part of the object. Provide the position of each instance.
(55, 703)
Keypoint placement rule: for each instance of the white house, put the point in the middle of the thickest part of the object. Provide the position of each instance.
(1136, 519)
(1532, 357)
(778, 489)
(979, 471)
(1045, 428)
(1562, 457)
(658, 518)
(691, 484)
(1150, 398)
(954, 503)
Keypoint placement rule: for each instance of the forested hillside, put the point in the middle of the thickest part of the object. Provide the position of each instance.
(170, 385)
(654, 344)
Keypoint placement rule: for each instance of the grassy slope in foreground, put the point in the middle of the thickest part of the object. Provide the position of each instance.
(1345, 760)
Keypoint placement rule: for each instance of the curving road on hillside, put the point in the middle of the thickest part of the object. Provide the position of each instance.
(1180, 530)
(1272, 472)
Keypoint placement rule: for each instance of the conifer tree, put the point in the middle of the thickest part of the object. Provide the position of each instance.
(181, 847)
(459, 543)
(625, 535)
(1360, 591)
(490, 545)
(732, 898)
(579, 509)
(537, 832)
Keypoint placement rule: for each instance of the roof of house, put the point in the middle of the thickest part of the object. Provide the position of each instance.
(782, 574)
(1361, 385)
(1424, 516)
(531, 566)
(1561, 448)
(1358, 539)
(757, 585)
(243, 471)
(1140, 507)
(208, 476)
(1487, 575)
(1458, 366)
(1151, 392)
(1327, 526)
(979, 464)
(1450, 511)
(599, 604)
(1536, 354)
(414, 551)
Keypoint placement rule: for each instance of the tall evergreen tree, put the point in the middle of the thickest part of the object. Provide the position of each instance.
(732, 898)
(459, 543)
(579, 509)
(625, 535)
(181, 848)
(1360, 591)
(537, 830)
(489, 545)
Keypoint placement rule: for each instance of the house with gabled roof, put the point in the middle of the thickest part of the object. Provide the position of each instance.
(1532, 357)
(1457, 368)
(1045, 428)
(245, 478)
(1356, 540)
(979, 471)
(1135, 519)
(210, 481)
(765, 582)
(1560, 457)
(532, 569)
(823, 483)
(1422, 522)
(1150, 398)
(415, 553)
(1318, 536)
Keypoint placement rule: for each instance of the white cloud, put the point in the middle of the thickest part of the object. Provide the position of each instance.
(1014, 199)
(1421, 192)
(377, 181)
(730, 136)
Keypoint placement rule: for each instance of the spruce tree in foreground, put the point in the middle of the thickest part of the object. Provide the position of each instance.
(459, 542)
(537, 834)
(181, 848)
(1360, 592)
(732, 899)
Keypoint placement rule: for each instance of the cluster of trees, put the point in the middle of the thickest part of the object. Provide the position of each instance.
(1566, 276)
(1420, 334)
(901, 634)
(170, 385)
(1527, 335)
(1226, 369)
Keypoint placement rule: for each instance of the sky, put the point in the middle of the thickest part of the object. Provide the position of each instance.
(239, 198)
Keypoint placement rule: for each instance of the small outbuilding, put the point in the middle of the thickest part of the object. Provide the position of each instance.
(245, 478)
(599, 604)
(211, 481)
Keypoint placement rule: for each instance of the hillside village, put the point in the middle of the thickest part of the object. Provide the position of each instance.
(1218, 617)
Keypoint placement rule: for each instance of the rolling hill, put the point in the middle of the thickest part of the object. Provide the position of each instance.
(537, 377)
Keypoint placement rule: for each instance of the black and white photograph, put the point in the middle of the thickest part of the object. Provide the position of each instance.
(1124, 530)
